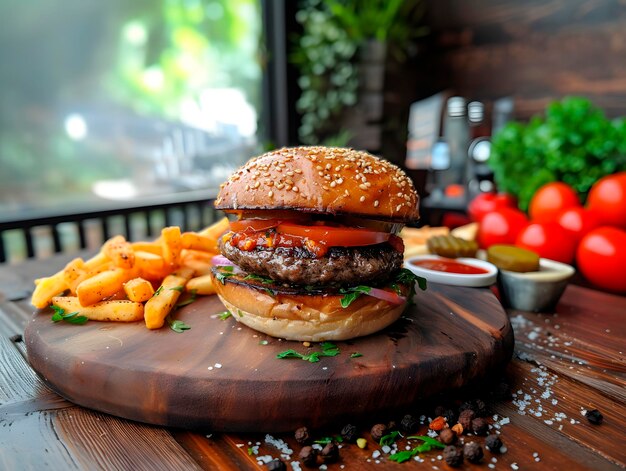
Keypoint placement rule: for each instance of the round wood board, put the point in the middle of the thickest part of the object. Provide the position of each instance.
(223, 376)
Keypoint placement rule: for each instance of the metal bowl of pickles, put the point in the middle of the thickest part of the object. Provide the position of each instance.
(527, 282)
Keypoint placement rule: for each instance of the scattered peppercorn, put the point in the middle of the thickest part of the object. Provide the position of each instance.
(438, 423)
(465, 419)
(408, 423)
(308, 456)
(594, 416)
(349, 433)
(450, 416)
(391, 426)
(378, 431)
(480, 426)
(276, 465)
(330, 453)
(480, 408)
(493, 443)
(453, 456)
(467, 405)
(473, 452)
(447, 436)
(302, 436)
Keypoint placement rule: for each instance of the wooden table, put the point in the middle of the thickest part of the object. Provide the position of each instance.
(564, 363)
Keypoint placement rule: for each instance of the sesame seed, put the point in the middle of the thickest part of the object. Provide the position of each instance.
(328, 166)
(362, 199)
(333, 184)
(339, 181)
(325, 187)
(398, 207)
(376, 204)
(298, 170)
(295, 189)
(362, 186)
(257, 184)
(290, 173)
(270, 194)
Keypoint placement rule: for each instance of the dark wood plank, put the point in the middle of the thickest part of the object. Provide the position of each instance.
(218, 376)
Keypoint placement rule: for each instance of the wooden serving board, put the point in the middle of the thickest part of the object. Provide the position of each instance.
(221, 376)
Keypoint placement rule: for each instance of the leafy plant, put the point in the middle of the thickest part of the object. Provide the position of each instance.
(575, 143)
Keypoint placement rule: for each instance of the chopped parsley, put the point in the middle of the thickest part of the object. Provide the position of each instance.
(224, 315)
(71, 318)
(328, 350)
(406, 455)
(189, 300)
(263, 279)
(223, 272)
(327, 440)
(356, 355)
(177, 288)
(177, 325)
(158, 291)
(389, 439)
(351, 294)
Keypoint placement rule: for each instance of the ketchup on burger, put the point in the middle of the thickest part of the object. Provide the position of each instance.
(313, 246)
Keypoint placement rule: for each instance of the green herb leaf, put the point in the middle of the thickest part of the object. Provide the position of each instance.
(402, 456)
(226, 268)
(177, 288)
(177, 325)
(189, 300)
(356, 355)
(224, 315)
(327, 440)
(262, 279)
(71, 318)
(312, 357)
(290, 354)
(389, 439)
(271, 292)
(351, 294)
(158, 291)
(252, 451)
(428, 440)
(263, 342)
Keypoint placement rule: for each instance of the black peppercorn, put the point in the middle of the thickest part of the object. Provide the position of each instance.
(378, 431)
(467, 405)
(392, 425)
(493, 443)
(453, 456)
(465, 419)
(594, 416)
(408, 424)
(473, 452)
(349, 433)
(480, 426)
(450, 416)
(447, 436)
(302, 436)
(330, 453)
(276, 465)
(480, 408)
(308, 456)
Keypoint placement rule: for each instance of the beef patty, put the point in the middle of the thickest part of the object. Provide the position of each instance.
(341, 266)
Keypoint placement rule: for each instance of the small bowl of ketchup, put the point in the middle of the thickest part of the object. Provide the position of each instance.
(453, 271)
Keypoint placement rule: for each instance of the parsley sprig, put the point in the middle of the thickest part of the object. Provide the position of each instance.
(403, 277)
(327, 440)
(428, 445)
(224, 315)
(328, 350)
(351, 294)
(223, 272)
(189, 300)
(177, 325)
(71, 318)
(389, 439)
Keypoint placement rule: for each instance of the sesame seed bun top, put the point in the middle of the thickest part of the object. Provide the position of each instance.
(321, 180)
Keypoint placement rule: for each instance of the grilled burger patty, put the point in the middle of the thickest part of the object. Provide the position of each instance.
(345, 266)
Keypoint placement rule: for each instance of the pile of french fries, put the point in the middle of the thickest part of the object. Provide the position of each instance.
(131, 281)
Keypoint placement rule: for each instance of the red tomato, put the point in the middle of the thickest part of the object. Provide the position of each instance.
(578, 221)
(550, 200)
(500, 227)
(335, 236)
(253, 224)
(601, 257)
(488, 202)
(549, 240)
(608, 199)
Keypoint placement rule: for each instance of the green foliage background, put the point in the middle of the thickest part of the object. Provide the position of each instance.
(574, 143)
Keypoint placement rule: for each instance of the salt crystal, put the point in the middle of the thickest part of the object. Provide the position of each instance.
(491, 465)
(323, 467)
(386, 449)
(514, 466)
(376, 454)
(218, 365)
(295, 465)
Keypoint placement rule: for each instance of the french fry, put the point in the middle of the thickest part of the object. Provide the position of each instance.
(201, 285)
(118, 311)
(150, 265)
(73, 270)
(138, 290)
(119, 251)
(47, 288)
(88, 274)
(188, 254)
(102, 285)
(195, 241)
(96, 261)
(171, 244)
(198, 266)
(214, 231)
(151, 247)
(159, 306)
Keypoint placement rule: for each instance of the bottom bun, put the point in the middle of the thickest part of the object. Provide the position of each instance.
(313, 318)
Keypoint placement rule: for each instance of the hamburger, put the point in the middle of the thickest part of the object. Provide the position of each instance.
(313, 252)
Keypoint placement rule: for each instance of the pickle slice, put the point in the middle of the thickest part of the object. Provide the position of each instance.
(511, 258)
(451, 247)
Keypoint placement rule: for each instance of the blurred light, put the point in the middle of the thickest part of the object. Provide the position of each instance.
(135, 33)
(153, 78)
(486, 186)
(75, 127)
(214, 11)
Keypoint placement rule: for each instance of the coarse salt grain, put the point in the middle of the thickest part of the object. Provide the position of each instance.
(514, 466)
(295, 465)
(376, 454)
(386, 449)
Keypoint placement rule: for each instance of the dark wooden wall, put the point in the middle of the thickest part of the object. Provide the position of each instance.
(533, 50)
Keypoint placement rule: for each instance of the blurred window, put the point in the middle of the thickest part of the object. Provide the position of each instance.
(105, 100)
